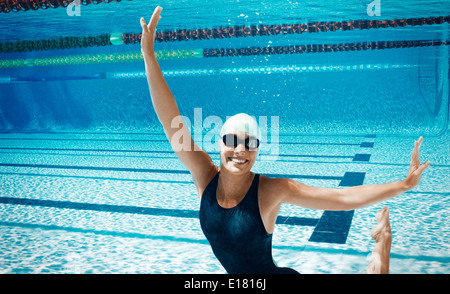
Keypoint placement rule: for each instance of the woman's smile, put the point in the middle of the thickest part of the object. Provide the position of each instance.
(237, 160)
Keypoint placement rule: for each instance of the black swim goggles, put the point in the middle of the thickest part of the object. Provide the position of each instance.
(231, 140)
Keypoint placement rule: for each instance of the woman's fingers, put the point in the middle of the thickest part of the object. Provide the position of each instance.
(415, 162)
(155, 18)
(415, 153)
(423, 167)
(417, 144)
(420, 140)
(416, 169)
(153, 21)
(143, 25)
(149, 31)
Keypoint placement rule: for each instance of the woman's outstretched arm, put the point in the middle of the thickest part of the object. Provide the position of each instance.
(196, 160)
(352, 197)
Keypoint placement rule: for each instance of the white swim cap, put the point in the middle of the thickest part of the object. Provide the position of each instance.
(241, 123)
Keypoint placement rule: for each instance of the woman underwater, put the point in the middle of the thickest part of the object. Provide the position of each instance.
(238, 208)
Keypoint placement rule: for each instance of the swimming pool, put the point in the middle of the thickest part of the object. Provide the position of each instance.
(89, 183)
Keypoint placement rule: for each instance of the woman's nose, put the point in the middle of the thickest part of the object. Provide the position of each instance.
(239, 148)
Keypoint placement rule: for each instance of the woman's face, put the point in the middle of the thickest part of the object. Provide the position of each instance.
(237, 160)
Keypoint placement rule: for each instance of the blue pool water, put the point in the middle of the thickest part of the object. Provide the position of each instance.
(89, 183)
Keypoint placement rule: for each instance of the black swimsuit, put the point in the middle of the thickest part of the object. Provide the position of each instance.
(237, 235)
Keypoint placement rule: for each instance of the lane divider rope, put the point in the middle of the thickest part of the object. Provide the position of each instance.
(207, 53)
(214, 33)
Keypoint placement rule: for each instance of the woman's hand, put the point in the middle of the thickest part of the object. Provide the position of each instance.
(415, 169)
(149, 33)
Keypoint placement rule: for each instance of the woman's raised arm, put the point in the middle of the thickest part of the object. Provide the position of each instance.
(196, 160)
(162, 98)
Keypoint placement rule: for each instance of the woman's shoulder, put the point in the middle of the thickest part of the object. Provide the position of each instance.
(272, 186)
(272, 182)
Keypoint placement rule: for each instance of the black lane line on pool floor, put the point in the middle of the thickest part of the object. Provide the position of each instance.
(333, 226)
(155, 152)
(184, 213)
(148, 170)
